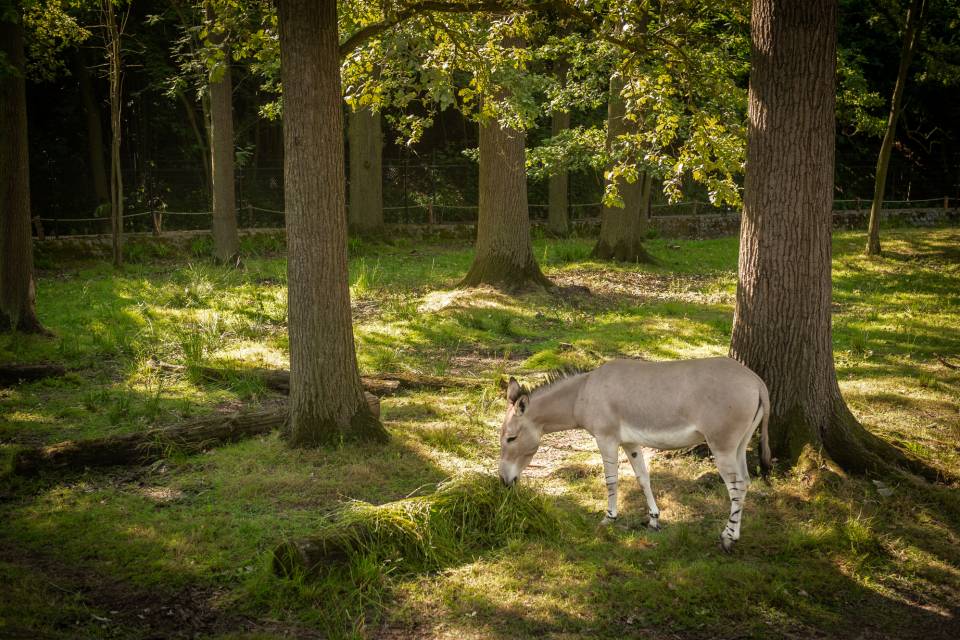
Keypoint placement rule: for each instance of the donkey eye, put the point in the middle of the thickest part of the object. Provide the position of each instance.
(511, 438)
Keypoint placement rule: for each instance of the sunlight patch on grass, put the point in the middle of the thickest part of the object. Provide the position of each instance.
(473, 298)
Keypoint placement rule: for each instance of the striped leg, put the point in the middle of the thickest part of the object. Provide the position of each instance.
(639, 463)
(737, 481)
(609, 452)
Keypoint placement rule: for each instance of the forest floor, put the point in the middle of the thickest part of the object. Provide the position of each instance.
(180, 548)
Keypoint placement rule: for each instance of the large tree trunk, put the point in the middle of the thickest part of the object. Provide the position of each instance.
(558, 217)
(504, 255)
(226, 241)
(116, 172)
(326, 399)
(914, 14)
(622, 229)
(366, 171)
(91, 108)
(781, 327)
(17, 293)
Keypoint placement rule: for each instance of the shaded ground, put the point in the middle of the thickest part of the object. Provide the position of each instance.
(90, 603)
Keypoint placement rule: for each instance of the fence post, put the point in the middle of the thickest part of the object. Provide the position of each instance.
(157, 222)
(946, 202)
(38, 224)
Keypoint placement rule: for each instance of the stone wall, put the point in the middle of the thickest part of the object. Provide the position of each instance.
(715, 226)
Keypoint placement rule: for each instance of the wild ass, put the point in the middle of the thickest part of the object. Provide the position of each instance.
(635, 404)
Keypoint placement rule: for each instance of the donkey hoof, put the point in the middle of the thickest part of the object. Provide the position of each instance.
(653, 526)
(607, 521)
(726, 544)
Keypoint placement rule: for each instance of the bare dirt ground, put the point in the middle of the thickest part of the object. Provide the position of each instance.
(641, 286)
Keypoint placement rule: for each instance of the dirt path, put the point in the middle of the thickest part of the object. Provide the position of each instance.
(557, 450)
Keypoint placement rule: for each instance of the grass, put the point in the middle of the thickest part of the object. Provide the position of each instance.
(87, 554)
(467, 514)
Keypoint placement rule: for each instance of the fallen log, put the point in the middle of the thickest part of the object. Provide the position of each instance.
(380, 384)
(405, 380)
(148, 446)
(11, 374)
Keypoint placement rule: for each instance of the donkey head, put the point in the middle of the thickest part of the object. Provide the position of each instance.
(519, 436)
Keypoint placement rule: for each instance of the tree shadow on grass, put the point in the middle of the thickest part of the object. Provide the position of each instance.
(179, 549)
(802, 569)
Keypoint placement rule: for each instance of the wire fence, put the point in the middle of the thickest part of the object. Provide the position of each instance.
(413, 193)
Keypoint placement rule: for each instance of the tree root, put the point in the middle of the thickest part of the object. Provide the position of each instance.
(858, 451)
(501, 275)
(622, 252)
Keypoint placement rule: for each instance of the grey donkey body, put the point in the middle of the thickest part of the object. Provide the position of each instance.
(635, 404)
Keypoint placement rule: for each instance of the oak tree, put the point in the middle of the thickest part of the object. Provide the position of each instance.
(226, 240)
(365, 136)
(17, 289)
(327, 403)
(782, 322)
(912, 27)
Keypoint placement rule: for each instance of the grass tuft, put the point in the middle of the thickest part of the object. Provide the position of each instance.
(465, 515)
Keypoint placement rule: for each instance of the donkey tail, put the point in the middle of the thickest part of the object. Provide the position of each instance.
(765, 460)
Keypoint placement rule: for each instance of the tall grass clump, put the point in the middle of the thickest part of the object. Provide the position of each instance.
(466, 515)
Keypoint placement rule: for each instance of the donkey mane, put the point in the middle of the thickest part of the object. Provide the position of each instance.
(550, 378)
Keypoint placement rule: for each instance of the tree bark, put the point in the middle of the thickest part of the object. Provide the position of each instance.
(914, 14)
(366, 171)
(782, 322)
(326, 399)
(504, 255)
(17, 290)
(115, 69)
(226, 241)
(622, 229)
(504, 252)
(95, 147)
(558, 217)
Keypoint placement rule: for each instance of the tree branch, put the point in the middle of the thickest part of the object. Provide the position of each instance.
(560, 7)
(433, 6)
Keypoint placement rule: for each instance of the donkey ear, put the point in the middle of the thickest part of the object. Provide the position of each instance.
(514, 390)
(521, 404)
